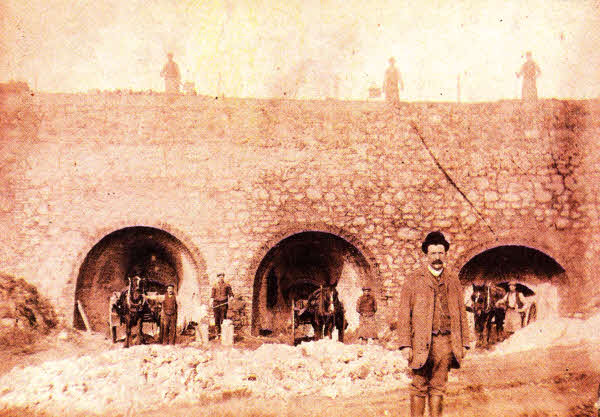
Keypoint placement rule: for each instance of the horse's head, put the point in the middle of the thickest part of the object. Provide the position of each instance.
(137, 287)
(330, 299)
(479, 298)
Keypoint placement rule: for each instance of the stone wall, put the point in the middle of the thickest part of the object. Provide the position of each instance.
(230, 179)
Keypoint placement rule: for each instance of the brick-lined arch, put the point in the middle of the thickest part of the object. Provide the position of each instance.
(529, 263)
(538, 245)
(538, 262)
(291, 229)
(267, 255)
(186, 260)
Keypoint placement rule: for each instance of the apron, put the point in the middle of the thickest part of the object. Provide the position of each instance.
(512, 322)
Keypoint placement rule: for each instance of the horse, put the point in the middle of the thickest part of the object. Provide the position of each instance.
(324, 311)
(487, 315)
(133, 309)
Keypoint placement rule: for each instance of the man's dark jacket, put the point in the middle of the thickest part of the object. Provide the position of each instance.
(416, 315)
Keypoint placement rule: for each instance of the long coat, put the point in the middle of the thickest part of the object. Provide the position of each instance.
(416, 316)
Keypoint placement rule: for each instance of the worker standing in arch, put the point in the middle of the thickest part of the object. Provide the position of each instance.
(168, 314)
(366, 307)
(221, 293)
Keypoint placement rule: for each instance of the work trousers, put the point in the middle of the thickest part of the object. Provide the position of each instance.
(220, 315)
(168, 328)
(432, 377)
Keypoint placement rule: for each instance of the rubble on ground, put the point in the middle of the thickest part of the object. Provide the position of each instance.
(24, 313)
(556, 331)
(145, 377)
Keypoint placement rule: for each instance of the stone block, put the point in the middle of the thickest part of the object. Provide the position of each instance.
(386, 197)
(400, 196)
(372, 242)
(491, 196)
(359, 221)
(470, 219)
(481, 183)
(444, 224)
(562, 223)
(314, 194)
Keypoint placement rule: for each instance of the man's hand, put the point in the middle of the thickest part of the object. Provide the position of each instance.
(407, 352)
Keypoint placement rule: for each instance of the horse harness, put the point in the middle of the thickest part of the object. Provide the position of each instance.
(133, 306)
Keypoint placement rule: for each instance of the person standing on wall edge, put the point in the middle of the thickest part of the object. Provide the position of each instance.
(530, 71)
(390, 83)
(220, 300)
(170, 73)
(433, 326)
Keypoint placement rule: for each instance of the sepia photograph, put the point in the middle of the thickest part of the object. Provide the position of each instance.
(317, 208)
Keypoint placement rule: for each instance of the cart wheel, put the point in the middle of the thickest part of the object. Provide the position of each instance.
(293, 322)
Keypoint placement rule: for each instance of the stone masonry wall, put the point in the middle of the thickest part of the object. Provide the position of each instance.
(232, 178)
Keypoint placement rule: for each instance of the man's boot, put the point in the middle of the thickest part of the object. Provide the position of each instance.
(417, 406)
(435, 405)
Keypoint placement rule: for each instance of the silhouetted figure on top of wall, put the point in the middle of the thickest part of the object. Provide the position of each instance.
(390, 83)
(530, 71)
(170, 73)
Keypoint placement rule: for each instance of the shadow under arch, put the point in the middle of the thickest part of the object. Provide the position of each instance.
(147, 251)
(300, 262)
(506, 262)
(526, 265)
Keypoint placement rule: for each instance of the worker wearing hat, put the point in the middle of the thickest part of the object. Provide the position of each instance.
(220, 300)
(515, 305)
(366, 306)
(168, 314)
(433, 326)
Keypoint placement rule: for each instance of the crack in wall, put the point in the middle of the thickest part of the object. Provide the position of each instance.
(449, 178)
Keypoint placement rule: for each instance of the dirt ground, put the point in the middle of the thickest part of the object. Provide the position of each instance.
(555, 381)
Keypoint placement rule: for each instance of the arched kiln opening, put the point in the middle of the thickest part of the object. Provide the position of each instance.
(149, 252)
(528, 266)
(298, 265)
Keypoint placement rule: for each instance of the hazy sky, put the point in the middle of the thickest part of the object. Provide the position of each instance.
(305, 48)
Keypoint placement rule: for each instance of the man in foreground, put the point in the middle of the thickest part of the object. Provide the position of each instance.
(433, 326)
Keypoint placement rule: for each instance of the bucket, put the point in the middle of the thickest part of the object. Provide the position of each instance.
(227, 333)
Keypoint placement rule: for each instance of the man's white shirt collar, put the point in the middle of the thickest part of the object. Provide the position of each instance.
(434, 272)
